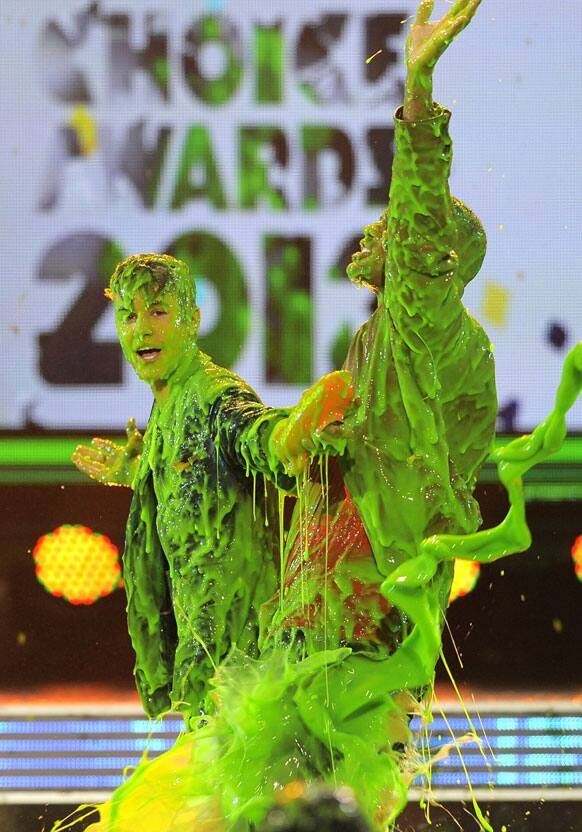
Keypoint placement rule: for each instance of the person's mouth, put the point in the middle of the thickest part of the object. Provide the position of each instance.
(148, 354)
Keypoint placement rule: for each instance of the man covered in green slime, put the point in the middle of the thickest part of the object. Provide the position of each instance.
(199, 554)
(366, 564)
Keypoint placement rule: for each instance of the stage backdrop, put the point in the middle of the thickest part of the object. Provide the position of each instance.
(254, 139)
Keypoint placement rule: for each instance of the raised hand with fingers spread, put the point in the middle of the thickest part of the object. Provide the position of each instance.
(110, 463)
(425, 44)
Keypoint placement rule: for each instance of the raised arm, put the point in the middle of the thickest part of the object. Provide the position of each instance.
(423, 286)
(426, 43)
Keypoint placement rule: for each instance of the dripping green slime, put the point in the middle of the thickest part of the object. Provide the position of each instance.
(318, 679)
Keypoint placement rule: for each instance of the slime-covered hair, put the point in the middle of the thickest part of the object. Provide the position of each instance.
(471, 249)
(160, 273)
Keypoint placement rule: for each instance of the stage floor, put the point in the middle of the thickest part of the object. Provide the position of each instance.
(72, 744)
(63, 746)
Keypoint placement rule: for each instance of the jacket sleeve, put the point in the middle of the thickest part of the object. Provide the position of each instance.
(242, 425)
(434, 246)
(421, 289)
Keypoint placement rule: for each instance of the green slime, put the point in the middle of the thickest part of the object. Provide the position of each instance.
(424, 420)
(349, 643)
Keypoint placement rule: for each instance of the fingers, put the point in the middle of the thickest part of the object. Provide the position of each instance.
(451, 25)
(333, 432)
(452, 28)
(92, 452)
(87, 454)
(105, 447)
(424, 12)
(96, 460)
(134, 438)
(465, 7)
(89, 462)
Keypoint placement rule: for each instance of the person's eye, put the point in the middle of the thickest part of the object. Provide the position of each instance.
(156, 313)
(130, 317)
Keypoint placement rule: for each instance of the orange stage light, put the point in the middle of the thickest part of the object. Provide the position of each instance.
(77, 564)
(464, 580)
(577, 557)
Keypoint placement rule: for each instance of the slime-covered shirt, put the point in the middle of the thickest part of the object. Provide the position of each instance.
(199, 545)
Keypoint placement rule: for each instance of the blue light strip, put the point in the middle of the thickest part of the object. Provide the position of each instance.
(64, 754)
(528, 724)
(545, 742)
(174, 726)
(115, 764)
(545, 761)
(92, 726)
(67, 783)
(506, 778)
(122, 745)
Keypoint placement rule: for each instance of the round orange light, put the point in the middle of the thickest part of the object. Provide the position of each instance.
(577, 557)
(77, 564)
(464, 579)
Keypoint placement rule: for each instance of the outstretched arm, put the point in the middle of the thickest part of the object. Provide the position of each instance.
(307, 430)
(279, 443)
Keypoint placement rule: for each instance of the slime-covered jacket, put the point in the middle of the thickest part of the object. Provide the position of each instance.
(423, 423)
(199, 553)
(423, 366)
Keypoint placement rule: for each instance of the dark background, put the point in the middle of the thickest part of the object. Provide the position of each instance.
(516, 816)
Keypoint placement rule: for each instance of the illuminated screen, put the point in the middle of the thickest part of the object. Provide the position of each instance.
(254, 140)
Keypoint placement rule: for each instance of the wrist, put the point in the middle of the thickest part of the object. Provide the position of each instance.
(418, 101)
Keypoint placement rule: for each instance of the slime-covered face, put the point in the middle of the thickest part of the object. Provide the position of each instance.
(155, 334)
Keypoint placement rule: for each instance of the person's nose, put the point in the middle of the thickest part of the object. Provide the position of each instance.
(143, 326)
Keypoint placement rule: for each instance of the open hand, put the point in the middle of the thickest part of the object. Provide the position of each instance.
(425, 44)
(302, 433)
(428, 41)
(109, 463)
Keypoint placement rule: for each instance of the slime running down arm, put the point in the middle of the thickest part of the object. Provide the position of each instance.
(306, 430)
